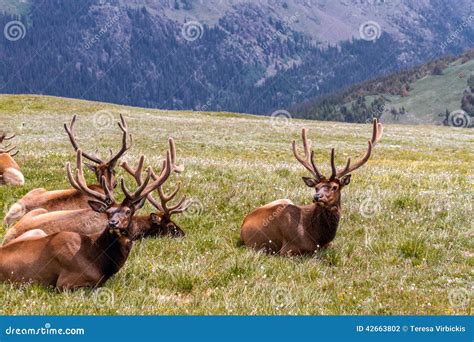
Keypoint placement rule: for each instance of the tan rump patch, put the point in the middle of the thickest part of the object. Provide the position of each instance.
(13, 177)
(16, 212)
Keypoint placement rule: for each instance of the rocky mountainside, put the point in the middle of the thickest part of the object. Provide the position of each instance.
(243, 56)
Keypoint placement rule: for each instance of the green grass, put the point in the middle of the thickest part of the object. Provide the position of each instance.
(432, 95)
(405, 242)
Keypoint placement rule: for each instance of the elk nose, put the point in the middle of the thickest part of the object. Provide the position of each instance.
(113, 223)
(317, 197)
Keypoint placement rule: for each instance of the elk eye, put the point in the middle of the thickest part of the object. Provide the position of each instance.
(334, 188)
(128, 211)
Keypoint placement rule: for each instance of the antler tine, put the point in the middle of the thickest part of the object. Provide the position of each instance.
(333, 165)
(137, 173)
(169, 197)
(308, 160)
(109, 195)
(181, 206)
(138, 193)
(79, 182)
(3, 136)
(124, 128)
(174, 167)
(8, 150)
(70, 177)
(70, 133)
(150, 198)
(158, 181)
(14, 154)
(8, 138)
(377, 132)
(164, 199)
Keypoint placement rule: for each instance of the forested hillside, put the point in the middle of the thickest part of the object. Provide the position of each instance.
(428, 93)
(240, 56)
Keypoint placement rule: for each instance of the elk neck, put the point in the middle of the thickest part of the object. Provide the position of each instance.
(324, 223)
(112, 251)
(140, 226)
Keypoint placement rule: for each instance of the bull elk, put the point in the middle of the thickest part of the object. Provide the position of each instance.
(86, 221)
(70, 260)
(10, 172)
(285, 228)
(71, 199)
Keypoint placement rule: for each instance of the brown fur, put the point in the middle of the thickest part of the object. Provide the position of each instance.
(65, 260)
(284, 228)
(87, 222)
(10, 172)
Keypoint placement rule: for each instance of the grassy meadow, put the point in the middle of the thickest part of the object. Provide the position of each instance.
(404, 245)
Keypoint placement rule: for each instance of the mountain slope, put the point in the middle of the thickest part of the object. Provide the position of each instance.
(422, 94)
(237, 56)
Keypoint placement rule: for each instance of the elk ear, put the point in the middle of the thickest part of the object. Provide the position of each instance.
(345, 180)
(311, 182)
(97, 206)
(155, 218)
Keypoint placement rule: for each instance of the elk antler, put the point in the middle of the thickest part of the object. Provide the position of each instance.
(124, 128)
(70, 133)
(3, 136)
(8, 150)
(308, 160)
(113, 160)
(144, 189)
(172, 149)
(179, 207)
(79, 182)
(377, 132)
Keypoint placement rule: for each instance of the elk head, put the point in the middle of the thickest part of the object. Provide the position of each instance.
(161, 222)
(100, 167)
(119, 216)
(7, 148)
(328, 189)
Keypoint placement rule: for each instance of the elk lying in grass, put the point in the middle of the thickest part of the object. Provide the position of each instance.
(70, 260)
(71, 199)
(284, 228)
(86, 221)
(10, 172)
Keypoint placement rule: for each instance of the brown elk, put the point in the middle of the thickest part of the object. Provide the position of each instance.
(86, 221)
(10, 172)
(70, 260)
(71, 199)
(284, 228)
